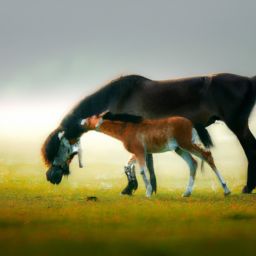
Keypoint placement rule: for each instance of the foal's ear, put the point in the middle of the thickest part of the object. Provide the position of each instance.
(84, 122)
(103, 113)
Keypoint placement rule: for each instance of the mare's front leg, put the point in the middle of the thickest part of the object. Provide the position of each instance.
(192, 163)
(129, 170)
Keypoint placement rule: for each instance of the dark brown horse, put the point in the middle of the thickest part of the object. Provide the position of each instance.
(202, 99)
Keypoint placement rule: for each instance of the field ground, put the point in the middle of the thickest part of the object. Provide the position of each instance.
(37, 218)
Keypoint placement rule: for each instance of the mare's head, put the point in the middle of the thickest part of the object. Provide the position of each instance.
(57, 152)
(61, 146)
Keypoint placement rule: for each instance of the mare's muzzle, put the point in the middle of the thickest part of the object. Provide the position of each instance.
(54, 174)
(60, 165)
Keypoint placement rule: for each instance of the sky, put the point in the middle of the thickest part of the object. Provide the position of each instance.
(54, 52)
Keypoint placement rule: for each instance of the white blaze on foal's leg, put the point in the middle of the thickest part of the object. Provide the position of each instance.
(148, 186)
(222, 182)
(192, 169)
(130, 168)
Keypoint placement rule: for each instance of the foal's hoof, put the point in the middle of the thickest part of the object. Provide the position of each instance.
(130, 188)
(149, 191)
(125, 194)
(127, 191)
(246, 190)
(186, 194)
(227, 193)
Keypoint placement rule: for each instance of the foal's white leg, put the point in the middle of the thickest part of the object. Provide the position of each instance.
(192, 169)
(130, 168)
(144, 172)
(207, 156)
(222, 182)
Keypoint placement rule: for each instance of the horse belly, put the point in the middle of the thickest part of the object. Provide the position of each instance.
(171, 145)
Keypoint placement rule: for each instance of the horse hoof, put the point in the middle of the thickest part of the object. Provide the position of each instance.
(125, 194)
(153, 183)
(246, 190)
(186, 194)
(130, 188)
(126, 191)
(227, 193)
(149, 191)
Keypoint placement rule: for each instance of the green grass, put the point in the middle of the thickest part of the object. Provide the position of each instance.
(38, 218)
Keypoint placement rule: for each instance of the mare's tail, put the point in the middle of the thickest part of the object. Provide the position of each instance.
(204, 135)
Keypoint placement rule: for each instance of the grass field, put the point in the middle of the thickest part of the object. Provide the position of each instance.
(37, 218)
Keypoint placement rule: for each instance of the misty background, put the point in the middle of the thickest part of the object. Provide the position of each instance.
(53, 53)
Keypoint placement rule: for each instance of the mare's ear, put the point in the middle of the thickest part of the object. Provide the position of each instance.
(60, 135)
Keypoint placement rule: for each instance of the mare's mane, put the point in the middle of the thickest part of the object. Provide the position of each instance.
(99, 102)
(50, 147)
(93, 104)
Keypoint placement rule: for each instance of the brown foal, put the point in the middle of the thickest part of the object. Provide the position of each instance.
(156, 136)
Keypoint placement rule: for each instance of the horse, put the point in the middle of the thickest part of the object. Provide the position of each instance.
(155, 136)
(202, 99)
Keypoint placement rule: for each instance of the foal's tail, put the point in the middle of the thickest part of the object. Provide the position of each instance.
(204, 135)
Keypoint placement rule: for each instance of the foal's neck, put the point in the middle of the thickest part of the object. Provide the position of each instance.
(114, 129)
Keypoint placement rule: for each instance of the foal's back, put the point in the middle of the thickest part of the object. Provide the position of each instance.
(155, 134)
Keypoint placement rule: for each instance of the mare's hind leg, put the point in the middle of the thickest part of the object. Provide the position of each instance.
(248, 143)
(207, 156)
(192, 163)
(129, 170)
